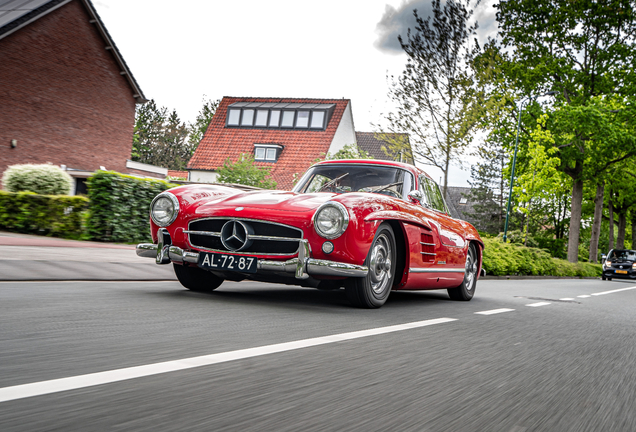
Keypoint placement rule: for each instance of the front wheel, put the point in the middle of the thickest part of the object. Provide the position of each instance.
(196, 279)
(372, 290)
(466, 290)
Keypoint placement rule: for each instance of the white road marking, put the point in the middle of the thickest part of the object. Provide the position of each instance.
(494, 311)
(566, 299)
(584, 296)
(538, 304)
(106, 377)
(613, 291)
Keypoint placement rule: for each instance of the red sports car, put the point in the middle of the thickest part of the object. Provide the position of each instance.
(369, 226)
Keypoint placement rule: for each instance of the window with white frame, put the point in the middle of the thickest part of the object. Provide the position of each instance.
(308, 116)
(267, 152)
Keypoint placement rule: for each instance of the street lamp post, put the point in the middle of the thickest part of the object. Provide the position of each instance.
(514, 159)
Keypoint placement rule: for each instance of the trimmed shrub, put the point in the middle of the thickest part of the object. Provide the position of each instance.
(501, 259)
(54, 215)
(120, 206)
(44, 179)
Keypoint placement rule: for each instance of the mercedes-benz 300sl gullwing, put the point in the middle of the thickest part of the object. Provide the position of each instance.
(369, 226)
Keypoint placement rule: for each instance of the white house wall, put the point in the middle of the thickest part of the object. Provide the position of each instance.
(202, 176)
(345, 134)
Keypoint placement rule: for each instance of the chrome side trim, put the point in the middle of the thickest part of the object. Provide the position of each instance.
(428, 253)
(436, 270)
(427, 244)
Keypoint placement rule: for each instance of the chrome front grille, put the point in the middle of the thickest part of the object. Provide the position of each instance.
(261, 237)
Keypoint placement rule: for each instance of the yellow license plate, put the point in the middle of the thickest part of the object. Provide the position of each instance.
(621, 271)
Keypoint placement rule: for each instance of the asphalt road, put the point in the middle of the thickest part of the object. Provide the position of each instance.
(555, 355)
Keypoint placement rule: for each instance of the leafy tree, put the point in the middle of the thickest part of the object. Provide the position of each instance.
(584, 50)
(434, 94)
(245, 172)
(200, 125)
(160, 138)
(349, 151)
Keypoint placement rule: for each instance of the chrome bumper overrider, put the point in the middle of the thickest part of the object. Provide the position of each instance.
(301, 267)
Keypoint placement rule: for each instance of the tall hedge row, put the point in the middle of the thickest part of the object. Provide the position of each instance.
(513, 259)
(119, 206)
(55, 215)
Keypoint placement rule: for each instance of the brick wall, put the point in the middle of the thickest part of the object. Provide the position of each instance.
(62, 96)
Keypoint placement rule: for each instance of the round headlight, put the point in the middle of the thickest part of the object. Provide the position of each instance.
(164, 209)
(331, 220)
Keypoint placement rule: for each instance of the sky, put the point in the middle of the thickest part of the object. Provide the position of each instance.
(182, 53)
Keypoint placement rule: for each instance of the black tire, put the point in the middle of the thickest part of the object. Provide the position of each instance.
(609, 278)
(603, 277)
(466, 290)
(196, 279)
(372, 290)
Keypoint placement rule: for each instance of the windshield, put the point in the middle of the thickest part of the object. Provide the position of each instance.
(340, 178)
(622, 255)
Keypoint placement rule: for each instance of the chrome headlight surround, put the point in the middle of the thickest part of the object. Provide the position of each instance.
(164, 209)
(332, 213)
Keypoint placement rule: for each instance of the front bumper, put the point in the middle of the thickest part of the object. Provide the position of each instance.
(610, 272)
(301, 267)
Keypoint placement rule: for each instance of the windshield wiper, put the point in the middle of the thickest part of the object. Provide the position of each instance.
(381, 188)
(332, 182)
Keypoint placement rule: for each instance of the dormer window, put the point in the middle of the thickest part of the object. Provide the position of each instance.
(308, 116)
(267, 152)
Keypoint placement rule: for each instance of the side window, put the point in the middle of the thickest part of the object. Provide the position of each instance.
(438, 202)
(408, 184)
(432, 195)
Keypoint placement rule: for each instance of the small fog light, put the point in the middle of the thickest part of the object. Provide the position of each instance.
(327, 247)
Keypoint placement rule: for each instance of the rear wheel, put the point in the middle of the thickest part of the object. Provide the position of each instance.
(466, 290)
(196, 279)
(372, 290)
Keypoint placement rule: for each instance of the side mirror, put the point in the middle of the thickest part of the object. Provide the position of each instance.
(603, 257)
(415, 197)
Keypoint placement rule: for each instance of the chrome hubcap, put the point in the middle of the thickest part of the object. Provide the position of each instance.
(380, 264)
(471, 268)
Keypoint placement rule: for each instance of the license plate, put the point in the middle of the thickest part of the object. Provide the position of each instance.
(621, 271)
(225, 262)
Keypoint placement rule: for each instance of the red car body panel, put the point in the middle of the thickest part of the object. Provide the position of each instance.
(415, 225)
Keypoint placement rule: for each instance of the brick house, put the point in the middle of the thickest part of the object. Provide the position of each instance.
(286, 134)
(66, 95)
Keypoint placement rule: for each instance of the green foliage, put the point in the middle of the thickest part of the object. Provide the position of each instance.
(160, 138)
(200, 125)
(501, 259)
(437, 104)
(120, 206)
(53, 215)
(43, 179)
(349, 151)
(245, 172)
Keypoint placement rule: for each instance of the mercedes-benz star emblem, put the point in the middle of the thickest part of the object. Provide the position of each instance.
(235, 235)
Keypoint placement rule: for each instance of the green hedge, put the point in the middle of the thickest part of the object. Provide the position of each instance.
(502, 259)
(54, 215)
(120, 205)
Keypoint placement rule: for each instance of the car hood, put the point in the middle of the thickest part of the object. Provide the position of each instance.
(268, 200)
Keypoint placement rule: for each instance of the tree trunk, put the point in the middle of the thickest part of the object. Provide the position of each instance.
(575, 221)
(611, 223)
(596, 225)
(622, 224)
(633, 228)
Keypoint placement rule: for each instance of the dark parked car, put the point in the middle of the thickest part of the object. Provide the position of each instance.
(619, 263)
